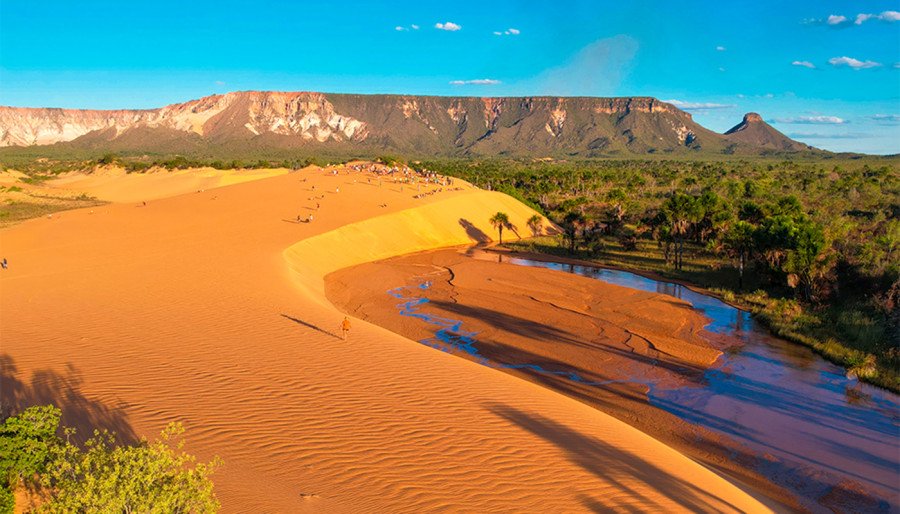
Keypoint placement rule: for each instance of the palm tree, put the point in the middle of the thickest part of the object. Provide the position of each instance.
(572, 223)
(681, 211)
(739, 243)
(500, 221)
(536, 224)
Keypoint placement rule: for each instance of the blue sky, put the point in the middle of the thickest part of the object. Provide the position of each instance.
(824, 72)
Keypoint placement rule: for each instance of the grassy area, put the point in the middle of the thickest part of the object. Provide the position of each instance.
(13, 212)
(855, 336)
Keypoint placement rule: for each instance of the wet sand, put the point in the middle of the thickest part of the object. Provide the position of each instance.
(599, 343)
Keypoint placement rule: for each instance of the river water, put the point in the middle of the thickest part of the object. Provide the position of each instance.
(813, 427)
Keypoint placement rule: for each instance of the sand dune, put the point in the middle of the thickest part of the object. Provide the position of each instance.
(114, 184)
(208, 308)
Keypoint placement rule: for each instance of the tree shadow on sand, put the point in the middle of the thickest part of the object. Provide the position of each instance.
(609, 463)
(474, 233)
(49, 387)
(525, 327)
(310, 325)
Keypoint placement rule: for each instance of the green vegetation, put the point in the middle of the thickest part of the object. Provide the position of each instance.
(99, 476)
(12, 211)
(811, 247)
(536, 225)
(42, 163)
(500, 221)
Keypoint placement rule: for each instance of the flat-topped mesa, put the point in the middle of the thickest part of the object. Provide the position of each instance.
(638, 104)
(246, 121)
(751, 117)
(756, 132)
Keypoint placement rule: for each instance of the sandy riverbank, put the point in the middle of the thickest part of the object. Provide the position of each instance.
(615, 340)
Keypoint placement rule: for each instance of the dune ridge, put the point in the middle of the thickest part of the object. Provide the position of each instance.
(114, 184)
(207, 308)
(412, 230)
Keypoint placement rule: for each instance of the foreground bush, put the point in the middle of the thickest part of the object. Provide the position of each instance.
(146, 477)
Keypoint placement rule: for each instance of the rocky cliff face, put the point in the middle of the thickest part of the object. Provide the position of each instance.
(24, 127)
(307, 115)
(416, 124)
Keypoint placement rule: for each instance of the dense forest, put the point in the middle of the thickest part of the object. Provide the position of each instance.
(812, 247)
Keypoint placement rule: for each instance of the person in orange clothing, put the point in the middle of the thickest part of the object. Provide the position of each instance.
(345, 328)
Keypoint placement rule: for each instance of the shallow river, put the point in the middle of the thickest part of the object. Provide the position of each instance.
(814, 427)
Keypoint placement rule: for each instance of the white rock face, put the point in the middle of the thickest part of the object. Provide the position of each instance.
(684, 134)
(557, 120)
(307, 115)
(25, 127)
(457, 113)
(493, 108)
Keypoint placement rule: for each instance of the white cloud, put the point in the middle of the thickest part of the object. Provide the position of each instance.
(398, 28)
(841, 21)
(514, 32)
(720, 48)
(475, 82)
(721, 68)
(508, 32)
(220, 83)
(886, 118)
(449, 26)
(595, 70)
(805, 64)
(814, 135)
(853, 63)
(887, 16)
(812, 120)
(414, 27)
(498, 33)
(698, 106)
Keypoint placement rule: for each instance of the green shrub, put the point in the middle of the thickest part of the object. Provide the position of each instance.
(147, 477)
(7, 501)
(27, 442)
(155, 476)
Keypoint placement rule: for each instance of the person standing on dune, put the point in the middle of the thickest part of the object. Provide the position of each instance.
(345, 328)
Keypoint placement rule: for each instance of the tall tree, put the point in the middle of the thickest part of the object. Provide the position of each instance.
(572, 224)
(680, 211)
(804, 259)
(536, 224)
(500, 221)
(739, 243)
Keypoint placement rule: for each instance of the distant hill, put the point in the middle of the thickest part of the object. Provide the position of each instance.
(755, 132)
(420, 125)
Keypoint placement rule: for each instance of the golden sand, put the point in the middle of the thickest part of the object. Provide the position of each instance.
(208, 308)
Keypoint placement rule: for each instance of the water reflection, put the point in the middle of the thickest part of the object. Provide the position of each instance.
(781, 400)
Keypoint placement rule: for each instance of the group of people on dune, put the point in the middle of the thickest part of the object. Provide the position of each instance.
(398, 174)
